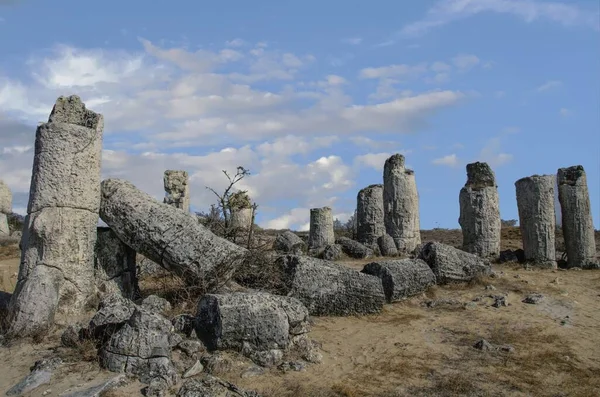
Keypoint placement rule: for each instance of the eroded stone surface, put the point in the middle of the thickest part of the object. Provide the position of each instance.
(354, 249)
(5, 208)
(177, 189)
(453, 265)
(401, 278)
(387, 246)
(321, 228)
(115, 265)
(480, 211)
(537, 218)
(369, 215)
(289, 243)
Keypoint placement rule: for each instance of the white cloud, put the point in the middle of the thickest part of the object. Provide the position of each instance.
(447, 11)
(296, 216)
(492, 154)
(564, 112)
(465, 62)
(235, 43)
(353, 40)
(393, 71)
(450, 160)
(549, 85)
(372, 160)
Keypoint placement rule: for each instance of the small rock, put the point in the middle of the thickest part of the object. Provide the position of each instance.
(156, 304)
(46, 392)
(490, 288)
(470, 305)
(499, 301)
(253, 371)
(216, 363)
(157, 388)
(184, 324)
(506, 348)
(288, 366)
(533, 299)
(190, 347)
(483, 345)
(194, 370)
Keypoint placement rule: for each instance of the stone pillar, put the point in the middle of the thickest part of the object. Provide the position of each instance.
(177, 189)
(57, 261)
(480, 211)
(5, 208)
(401, 204)
(537, 221)
(321, 228)
(241, 219)
(577, 224)
(115, 267)
(369, 215)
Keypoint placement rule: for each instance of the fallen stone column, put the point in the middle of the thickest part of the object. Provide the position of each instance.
(480, 211)
(5, 208)
(57, 260)
(321, 228)
(177, 189)
(369, 215)
(168, 236)
(401, 278)
(577, 224)
(289, 243)
(115, 265)
(328, 289)
(401, 204)
(354, 249)
(537, 218)
(453, 265)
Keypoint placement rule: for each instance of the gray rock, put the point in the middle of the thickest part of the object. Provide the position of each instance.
(484, 345)
(241, 219)
(184, 324)
(113, 312)
(168, 236)
(332, 252)
(57, 261)
(480, 211)
(157, 387)
(533, 299)
(387, 246)
(354, 249)
(40, 374)
(258, 324)
(211, 386)
(72, 335)
(401, 204)
(146, 267)
(252, 372)
(190, 347)
(327, 289)
(289, 243)
(115, 265)
(537, 219)
(288, 366)
(156, 304)
(453, 265)
(577, 223)
(369, 215)
(5, 208)
(307, 349)
(321, 228)
(177, 189)
(216, 363)
(194, 370)
(401, 278)
(98, 389)
(499, 301)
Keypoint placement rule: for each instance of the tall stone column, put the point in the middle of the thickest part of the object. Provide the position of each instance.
(5, 208)
(57, 261)
(480, 211)
(537, 220)
(321, 228)
(177, 189)
(577, 224)
(369, 215)
(241, 219)
(401, 204)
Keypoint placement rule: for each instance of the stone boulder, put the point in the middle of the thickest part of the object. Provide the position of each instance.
(387, 246)
(401, 278)
(354, 249)
(289, 243)
(453, 265)
(332, 252)
(329, 289)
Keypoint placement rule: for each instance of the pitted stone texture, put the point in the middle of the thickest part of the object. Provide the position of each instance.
(331, 252)
(210, 386)
(453, 265)
(114, 310)
(255, 323)
(577, 224)
(168, 236)
(369, 215)
(480, 211)
(241, 219)
(326, 288)
(401, 204)
(537, 218)
(401, 278)
(60, 228)
(354, 249)
(177, 189)
(289, 243)
(5, 208)
(115, 267)
(4, 229)
(321, 228)
(387, 246)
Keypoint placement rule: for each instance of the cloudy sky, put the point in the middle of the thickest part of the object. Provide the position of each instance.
(311, 96)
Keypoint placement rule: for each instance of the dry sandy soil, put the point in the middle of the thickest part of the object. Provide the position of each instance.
(409, 349)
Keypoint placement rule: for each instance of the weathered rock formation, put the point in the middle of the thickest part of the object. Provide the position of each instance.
(369, 215)
(401, 204)
(241, 219)
(289, 243)
(577, 224)
(480, 211)
(328, 289)
(387, 246)
(537, 218)
(177, 189)
(260, 325)
(57, 260)
(453, 265)
(401, 278)
(354, 249)
(168, 236)
(332, 252)
(5, 208)
(321, 228)
(115, 265)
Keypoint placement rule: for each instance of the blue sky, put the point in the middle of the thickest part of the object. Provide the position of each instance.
(311, 96)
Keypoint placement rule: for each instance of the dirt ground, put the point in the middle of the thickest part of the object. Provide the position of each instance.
(419, 347)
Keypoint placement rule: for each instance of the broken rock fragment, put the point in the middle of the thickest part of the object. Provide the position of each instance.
(354, 249)
(401, 278)
(453, 265)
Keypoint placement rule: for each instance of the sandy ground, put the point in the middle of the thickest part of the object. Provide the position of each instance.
(411, 349)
